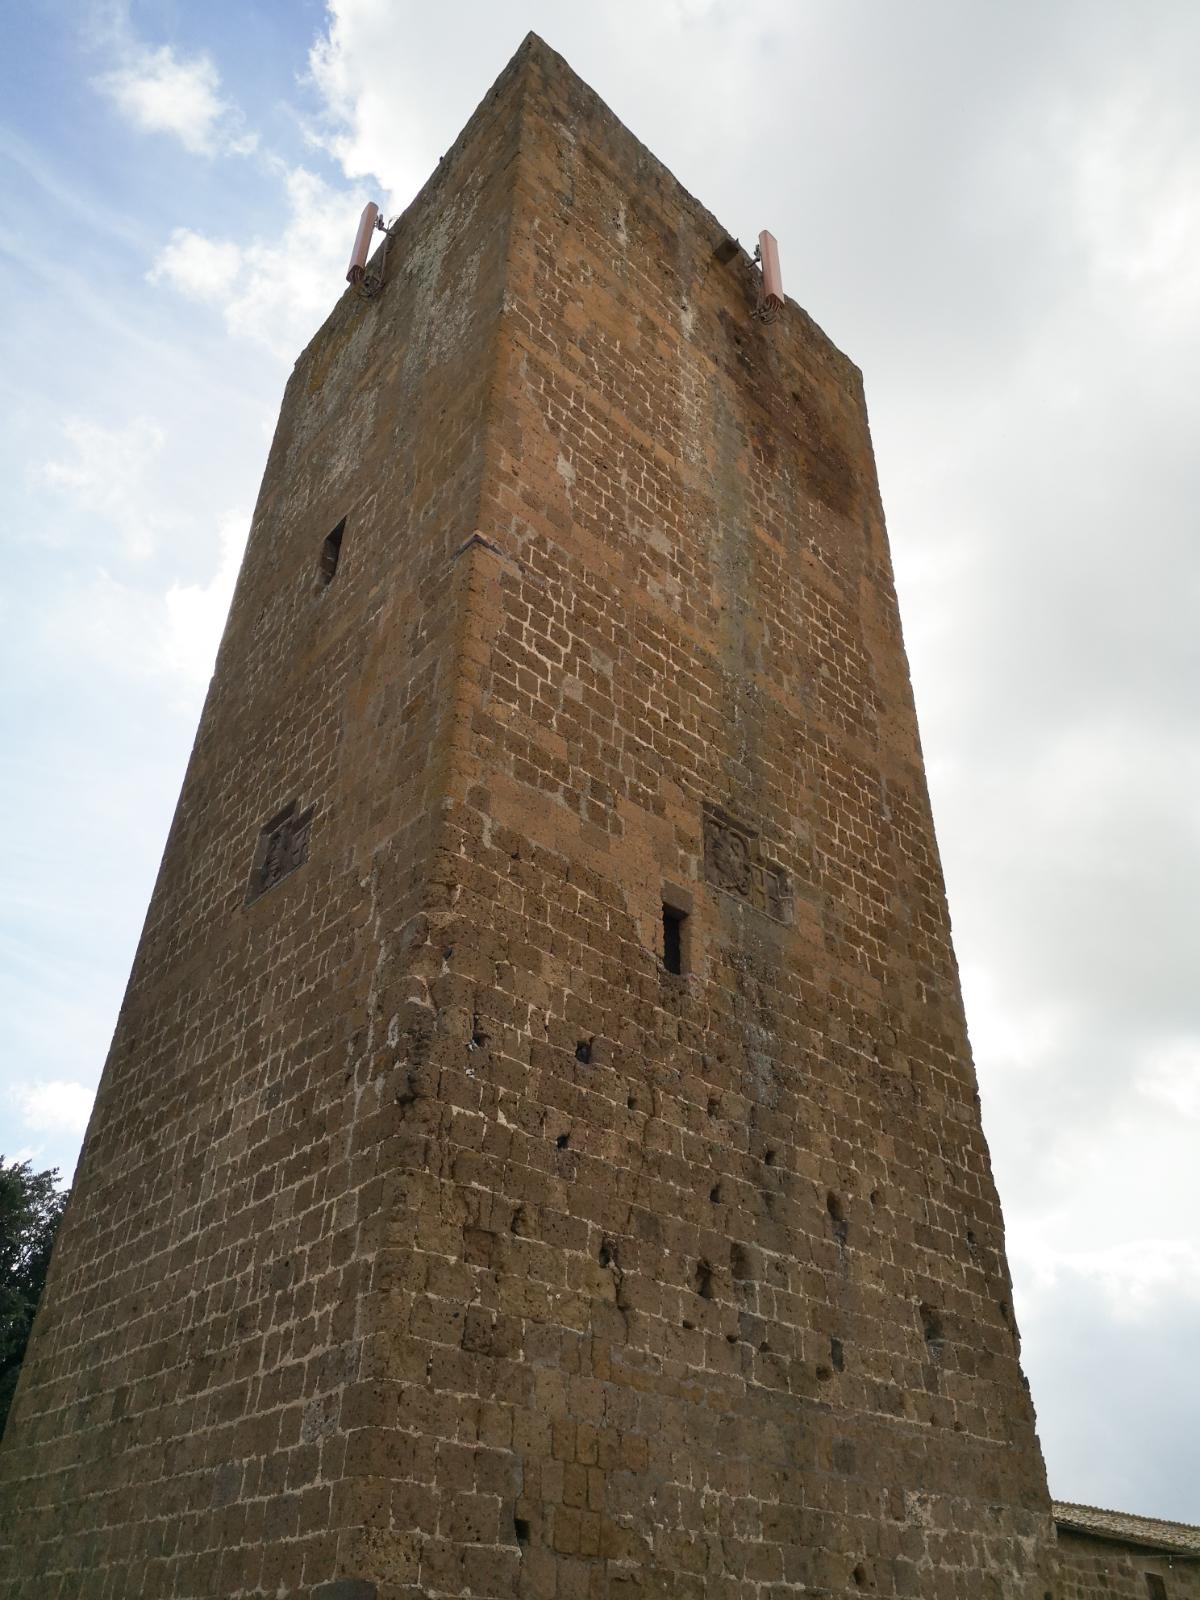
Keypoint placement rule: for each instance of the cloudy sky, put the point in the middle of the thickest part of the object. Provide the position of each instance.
(994, 208)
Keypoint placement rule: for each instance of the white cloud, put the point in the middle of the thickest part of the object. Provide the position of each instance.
(195, 613)
(131, 632)
(99, 623)
(1135, 161)
(392, 97)
(1172, 1077)
(1118, 1414)
(291, 283)
(367, 126)
(1134, 1276)
(104, 472)
(160, 92)
(55, 1105)
(1015, 1038)
(199, 267)
(274, 291)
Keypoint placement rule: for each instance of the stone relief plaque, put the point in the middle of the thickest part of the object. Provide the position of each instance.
(734, 862)
(728, 853)
(282, 847)
(777, 894)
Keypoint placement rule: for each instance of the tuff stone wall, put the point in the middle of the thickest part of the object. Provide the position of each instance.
(1106, 1569)
(431, 1238)
(176, 1430)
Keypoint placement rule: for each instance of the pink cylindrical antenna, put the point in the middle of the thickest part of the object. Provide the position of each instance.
(357, 269)
(772, 282)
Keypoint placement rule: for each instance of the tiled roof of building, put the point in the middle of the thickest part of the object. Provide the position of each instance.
(1180, 1538)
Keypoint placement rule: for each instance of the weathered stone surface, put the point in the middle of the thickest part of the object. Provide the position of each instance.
(1121, 1554)
(1090, 1567)
(429, 1237)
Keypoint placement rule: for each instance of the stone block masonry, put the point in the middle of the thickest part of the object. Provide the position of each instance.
(431, 1236)
(1091, 1568)
(1115, 1555)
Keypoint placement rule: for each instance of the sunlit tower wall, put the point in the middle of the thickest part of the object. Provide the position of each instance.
(433, 1235)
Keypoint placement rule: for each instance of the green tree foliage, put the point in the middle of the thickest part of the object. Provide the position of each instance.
(31, 1208)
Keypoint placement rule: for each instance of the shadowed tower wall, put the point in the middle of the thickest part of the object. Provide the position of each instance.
(431, 1237)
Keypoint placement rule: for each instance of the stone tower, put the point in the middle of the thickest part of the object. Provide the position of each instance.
(539, 1153)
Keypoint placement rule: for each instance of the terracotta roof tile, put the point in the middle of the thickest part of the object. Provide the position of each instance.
(1178, 1537)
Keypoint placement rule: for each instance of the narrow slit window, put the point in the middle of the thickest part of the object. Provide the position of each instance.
(331, 552)
(673, 921)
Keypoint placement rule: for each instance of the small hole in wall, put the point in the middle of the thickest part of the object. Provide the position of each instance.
(714, 1106)
(563, 1140)
(632, 1102)
(521, 1529)
(702, 1280)
(769, 1157)
(517, 1225)
(837, 1215)
(331, 553)
(860, 1575)
(714, 1194)
(837, 1355)
(583, 1050)
(971, 1240)
(605, 1256)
